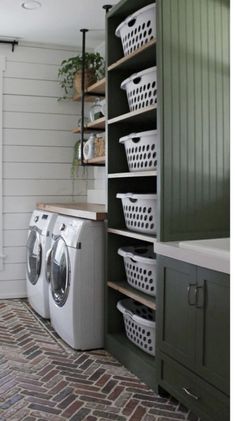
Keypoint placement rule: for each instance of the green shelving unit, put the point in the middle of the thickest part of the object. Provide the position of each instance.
(190, 52)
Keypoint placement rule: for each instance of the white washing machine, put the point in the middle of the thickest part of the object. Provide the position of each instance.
(38, 244)
(76, 297)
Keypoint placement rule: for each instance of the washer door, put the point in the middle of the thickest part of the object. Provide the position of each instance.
(33, 256)
(60, 271)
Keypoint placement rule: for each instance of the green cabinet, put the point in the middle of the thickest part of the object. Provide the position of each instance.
(121, 122)
(190, 389)
(193, 334)
(191, 183)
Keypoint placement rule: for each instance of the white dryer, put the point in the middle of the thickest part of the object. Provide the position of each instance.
(76, 297)
(38, 244)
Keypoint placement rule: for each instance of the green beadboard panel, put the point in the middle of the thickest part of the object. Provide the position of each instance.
(194, 119)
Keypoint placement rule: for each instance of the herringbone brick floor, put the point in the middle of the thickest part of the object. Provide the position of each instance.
(43, 379)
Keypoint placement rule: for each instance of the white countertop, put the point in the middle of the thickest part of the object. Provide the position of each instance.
(211, 254)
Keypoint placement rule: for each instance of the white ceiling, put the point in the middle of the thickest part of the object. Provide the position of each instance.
(56, 22)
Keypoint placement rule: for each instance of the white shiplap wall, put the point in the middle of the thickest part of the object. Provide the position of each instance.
(37, 150)
(2, 69)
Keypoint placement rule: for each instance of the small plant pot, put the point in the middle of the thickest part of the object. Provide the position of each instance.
(89, 79)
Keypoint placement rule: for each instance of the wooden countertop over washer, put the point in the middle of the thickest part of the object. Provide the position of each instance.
(92, 211)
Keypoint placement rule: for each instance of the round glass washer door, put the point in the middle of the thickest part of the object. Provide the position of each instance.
(33, 256)
(60, 271)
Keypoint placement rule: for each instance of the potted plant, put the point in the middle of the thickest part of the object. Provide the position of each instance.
(70, 72)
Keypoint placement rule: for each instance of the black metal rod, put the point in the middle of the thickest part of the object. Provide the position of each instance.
(82, 93)
(13, 43)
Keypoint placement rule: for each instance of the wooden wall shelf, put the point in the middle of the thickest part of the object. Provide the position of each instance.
(144, 114)
(133, 174)
(130, 234)
(98, 124)
(125, 289)
(145, 54)
(97, 88)
(99, 160)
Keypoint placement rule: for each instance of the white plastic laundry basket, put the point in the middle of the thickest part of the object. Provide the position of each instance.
(137, 29)
(139, 323)
(140, 268)
(141, 150)
(141, 89)
(140, 211)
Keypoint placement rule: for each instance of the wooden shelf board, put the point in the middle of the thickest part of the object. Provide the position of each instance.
(130, 234)
(98, 160)
(125, 289)
(143, 112)
(126, 61)
(98, 124)
(88, 98)
(96, 88)
(76, 130)
(133, 174)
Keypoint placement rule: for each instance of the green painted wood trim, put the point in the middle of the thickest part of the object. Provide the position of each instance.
(195, 127)
(212, 404)
(160, 124)
(139, 363)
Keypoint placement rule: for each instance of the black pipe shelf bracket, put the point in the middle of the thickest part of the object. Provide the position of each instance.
(13, 43)
(82, 93)
(106, 7)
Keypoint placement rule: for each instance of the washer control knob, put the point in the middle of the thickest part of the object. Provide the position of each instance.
(62, 227)
(36, 219)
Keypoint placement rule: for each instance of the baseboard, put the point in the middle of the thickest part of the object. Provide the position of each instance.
(13, 289)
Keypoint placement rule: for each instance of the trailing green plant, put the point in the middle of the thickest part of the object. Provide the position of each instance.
(69, 67)
(76, 162)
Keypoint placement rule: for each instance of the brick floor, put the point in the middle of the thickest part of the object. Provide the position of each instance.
(43, 379)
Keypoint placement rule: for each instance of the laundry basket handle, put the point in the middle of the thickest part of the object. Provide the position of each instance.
(142, 321)
(131, 22)
(124, 310)
(135, 139)
(126, 254)
(136, 80)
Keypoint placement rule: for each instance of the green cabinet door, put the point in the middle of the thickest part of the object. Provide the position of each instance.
(176, 324)
(213, 333)
(194, 318)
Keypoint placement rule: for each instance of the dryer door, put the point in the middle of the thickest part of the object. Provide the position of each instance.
(60, 271)
(33, 256)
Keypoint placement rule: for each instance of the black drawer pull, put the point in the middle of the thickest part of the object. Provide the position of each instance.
(190, 393)
(200, 298)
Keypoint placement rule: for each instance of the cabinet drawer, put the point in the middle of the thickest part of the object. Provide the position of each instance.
(203, 399)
